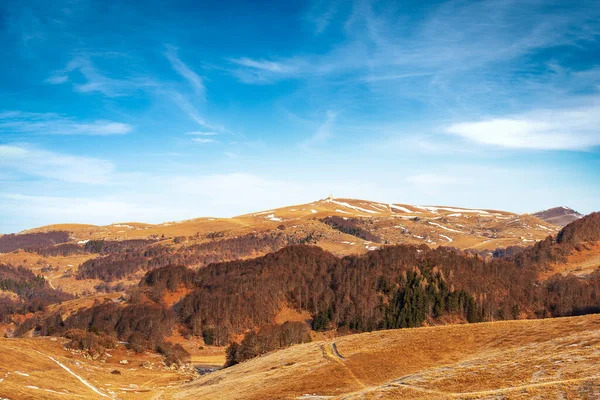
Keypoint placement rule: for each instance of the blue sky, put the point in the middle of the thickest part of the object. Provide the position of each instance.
(114, 112)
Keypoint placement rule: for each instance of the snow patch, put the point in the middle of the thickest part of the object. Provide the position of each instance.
(343, 204)
(272, 217)
(449, 239)
(314, 211)
(263, 212)
(461, 210)
(379, 206)
(342, 211)
(122, 226)
(83, 241)
(444, 227)
(408, 216)
(403, 209)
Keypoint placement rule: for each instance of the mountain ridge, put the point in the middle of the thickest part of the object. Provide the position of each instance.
(392, 223)
(559, 216)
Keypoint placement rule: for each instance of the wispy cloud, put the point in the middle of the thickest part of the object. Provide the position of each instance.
(323, 131)
(95, 80)
(57, 79)
(56, 124)
(265, 65)
(562, 129)
(321, 14)
(204, 140)
(200, 133)
(383, 43)
(62, 167)
(266, 71)
(186, 72)
(189, 109)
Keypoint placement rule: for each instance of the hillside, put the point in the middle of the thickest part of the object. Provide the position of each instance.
(388, 223)
(559, 216)
(551, 358)
(342, 226)
(239, 295)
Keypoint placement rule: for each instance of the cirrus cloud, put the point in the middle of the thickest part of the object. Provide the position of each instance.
(56, 124)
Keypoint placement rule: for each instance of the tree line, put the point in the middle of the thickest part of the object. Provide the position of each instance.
(24, 241)
(121, 265)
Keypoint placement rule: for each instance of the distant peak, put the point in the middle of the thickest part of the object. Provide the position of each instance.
(559, 216)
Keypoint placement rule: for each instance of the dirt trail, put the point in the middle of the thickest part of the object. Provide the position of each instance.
(86, 383)
(331, 353)
(463, 395)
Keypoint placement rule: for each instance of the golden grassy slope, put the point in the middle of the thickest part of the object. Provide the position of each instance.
(552, 358)
(433, 225)
(513, 359)
(39, 368)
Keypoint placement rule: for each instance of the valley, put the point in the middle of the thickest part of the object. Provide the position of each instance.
(304, 302)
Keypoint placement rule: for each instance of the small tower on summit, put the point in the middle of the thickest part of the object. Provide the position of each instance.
(330, 197)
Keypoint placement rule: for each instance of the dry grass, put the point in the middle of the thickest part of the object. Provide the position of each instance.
(28, 371)
(553, 358)
(485, 229)
(513, 359)
(580, 263)
(61, 278)
(286, 314)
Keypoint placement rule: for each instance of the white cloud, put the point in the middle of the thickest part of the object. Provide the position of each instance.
(204, 140)
(56, 124)
(57, 166)
(265, 65)
(44, 210)
(194, 79)
(199, 133)
(563, 129)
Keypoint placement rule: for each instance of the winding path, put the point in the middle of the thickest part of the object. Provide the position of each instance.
(86, 383)
(331, 353)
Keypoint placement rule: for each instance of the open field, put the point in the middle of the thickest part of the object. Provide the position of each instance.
(550, 358)
(553, 358)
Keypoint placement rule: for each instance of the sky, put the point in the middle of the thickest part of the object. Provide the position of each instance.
(111, 111)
